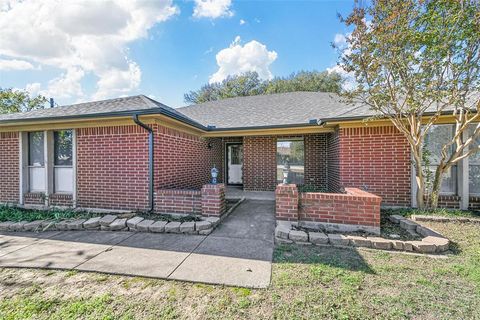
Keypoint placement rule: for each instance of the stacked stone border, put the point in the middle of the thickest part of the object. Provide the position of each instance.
(124, 222)
(433, 242)
(354, 210)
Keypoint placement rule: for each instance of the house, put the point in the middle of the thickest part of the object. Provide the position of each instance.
(102, 154)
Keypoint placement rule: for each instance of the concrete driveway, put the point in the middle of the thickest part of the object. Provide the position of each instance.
(237, 253)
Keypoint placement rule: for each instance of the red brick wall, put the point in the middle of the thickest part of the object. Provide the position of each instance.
(376, 159)
(214, 202)
(9, 167)
(333, 162)
(178, 201)
(474, 203)
(286, 202)
(59, 199)
(112, 167)
(37, 198)
(259, 163)
(316, 160)
(184, 161)
(355, 207)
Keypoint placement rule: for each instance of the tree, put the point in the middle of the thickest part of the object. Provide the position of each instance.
(306, 81)
(414, 62)
(19, 101)
(249, 84)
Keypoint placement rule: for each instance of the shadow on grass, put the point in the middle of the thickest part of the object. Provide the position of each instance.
(345, 258)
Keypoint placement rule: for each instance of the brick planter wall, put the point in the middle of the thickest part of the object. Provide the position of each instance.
(286, 202)
(355, 207)
(213, 200)
(9, 167)
(178, 201)
(210, 201)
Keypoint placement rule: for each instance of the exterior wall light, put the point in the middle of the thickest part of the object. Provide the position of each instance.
(214, 173)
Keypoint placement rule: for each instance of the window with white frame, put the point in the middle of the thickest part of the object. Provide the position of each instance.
(63, 161)
(436, 138)
(291, 161)
(36, 161)
(474, 166)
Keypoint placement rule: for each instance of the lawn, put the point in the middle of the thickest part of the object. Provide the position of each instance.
(307, 282)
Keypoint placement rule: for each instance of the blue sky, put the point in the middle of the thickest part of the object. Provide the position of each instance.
(88, 52)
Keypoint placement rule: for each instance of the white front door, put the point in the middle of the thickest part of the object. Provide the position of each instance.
(235, 163)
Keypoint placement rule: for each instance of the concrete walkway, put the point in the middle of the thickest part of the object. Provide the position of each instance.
(237, 253)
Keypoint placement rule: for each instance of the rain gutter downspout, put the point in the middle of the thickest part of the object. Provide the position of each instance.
(150, 160)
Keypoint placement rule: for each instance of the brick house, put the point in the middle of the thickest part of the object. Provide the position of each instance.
(97, 154)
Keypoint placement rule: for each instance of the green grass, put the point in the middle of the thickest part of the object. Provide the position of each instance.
(308, 282)
(19, 214)
(407, 212)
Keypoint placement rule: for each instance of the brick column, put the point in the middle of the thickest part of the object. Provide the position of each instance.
(213, 200)
(286, 202)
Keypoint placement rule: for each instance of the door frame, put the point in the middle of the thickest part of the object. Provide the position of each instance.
(226, 164)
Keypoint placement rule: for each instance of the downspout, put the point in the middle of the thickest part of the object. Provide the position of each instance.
(150, 160)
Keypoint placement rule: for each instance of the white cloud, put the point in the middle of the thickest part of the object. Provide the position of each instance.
(15, 64)
(238, 59)
(340, 41)
(212, 9)
(242, 22)
(80, 38)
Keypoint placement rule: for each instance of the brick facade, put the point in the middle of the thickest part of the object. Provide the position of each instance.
(376, 159)
(260, 161)
(178, 201)
(354, 207)
(9, 167)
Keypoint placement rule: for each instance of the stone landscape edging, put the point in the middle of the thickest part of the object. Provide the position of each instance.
(121, 222)
(433, 241)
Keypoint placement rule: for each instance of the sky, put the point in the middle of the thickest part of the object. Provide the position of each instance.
(80, 51)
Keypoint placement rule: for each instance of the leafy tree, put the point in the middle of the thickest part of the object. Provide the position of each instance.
(249, 84)
(413, 62)
(306, 81)
(12, 101)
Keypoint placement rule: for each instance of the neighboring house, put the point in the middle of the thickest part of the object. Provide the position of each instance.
(96, 154)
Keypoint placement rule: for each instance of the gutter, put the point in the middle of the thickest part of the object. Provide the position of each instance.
(150, 160)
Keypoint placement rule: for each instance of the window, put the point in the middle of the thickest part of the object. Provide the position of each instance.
(291, 161)
(474, 166)
(36, 161)
(438, 136)
(63, 161)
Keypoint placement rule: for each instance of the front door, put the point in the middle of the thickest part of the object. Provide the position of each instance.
(235, 163)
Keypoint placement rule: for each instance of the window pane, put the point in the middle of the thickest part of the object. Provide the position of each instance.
(63, 147)
(474, 165)
(36, 148)
(290, 159)
(36, 179)
(436, 138)
(449, 181)
(64, 179)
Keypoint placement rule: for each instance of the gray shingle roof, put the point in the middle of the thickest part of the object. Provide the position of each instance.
(112, 107)
(293, 108)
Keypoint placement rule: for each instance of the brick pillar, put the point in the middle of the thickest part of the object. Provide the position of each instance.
(286, 202)
(213, 200)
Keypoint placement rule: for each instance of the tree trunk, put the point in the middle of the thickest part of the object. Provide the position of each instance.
(419, 177)
(436, 187)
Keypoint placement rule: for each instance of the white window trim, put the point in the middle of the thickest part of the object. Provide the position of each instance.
(24, 186)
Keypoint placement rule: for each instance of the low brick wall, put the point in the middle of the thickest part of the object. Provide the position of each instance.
(35, 198)
(354, 208)
(209, 201)
(178, 201)
(214, 202)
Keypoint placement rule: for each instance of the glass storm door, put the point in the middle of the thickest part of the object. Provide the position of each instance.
(235, 164)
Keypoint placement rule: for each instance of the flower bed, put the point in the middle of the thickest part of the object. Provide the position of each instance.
(432, 241)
